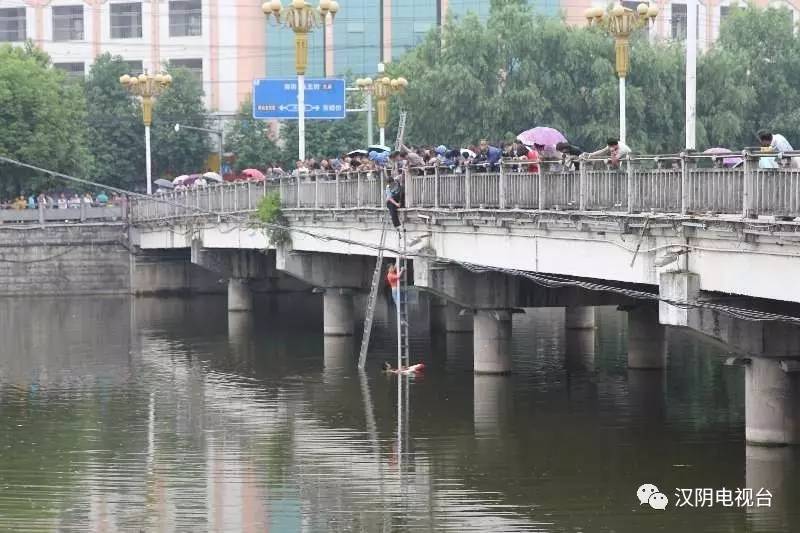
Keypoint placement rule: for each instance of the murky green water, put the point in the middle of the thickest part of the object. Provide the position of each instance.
(167, 415)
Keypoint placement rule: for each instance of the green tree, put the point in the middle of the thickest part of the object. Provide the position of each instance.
(44, 122)
(185, 151)
(115, 129)
(249, 140)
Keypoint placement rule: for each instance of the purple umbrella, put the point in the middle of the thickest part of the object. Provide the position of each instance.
(728, 161)
(541, 135)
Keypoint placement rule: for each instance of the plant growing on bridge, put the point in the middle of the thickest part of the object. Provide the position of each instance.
(269, 212)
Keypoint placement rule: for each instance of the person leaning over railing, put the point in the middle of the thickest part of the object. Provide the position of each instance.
(775, 142)
(614, 148)
(570, 155)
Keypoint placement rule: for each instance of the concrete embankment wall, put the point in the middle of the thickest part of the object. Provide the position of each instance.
(64, 259)
(86, 259)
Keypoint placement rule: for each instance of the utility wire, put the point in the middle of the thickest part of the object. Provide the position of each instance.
(544, 280)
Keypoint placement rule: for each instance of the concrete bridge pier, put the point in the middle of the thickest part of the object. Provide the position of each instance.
(338, 312)
(240, 296)
(492, 341)
(577, 318)
(772, 401)
(647, 349)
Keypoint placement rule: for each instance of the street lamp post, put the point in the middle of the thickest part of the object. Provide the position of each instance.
(301, 18)
(147, 87)
(621, 22)
(219, 133)
(382, 87)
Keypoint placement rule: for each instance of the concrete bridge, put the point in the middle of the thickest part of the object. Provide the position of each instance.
(670, 242)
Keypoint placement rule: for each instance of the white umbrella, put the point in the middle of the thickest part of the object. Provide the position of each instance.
(213, 176)
(180, 179)
(164, 184)
(467, 153)
(357, 152)
(378, 148)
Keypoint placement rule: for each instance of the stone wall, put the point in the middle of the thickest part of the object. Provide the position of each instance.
(64, 259)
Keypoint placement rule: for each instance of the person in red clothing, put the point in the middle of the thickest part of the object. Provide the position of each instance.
(533, 157)
(393, 277)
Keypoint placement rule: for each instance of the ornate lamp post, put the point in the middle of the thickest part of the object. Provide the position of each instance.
(147, 87)
(382, 87)
(301, 18)
(621, 22)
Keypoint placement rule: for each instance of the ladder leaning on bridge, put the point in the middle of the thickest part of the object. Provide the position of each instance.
(373, 297)
(402, 299)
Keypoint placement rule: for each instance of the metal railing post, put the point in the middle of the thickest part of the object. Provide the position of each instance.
(316, 192)
(249, 198)
(582, 185)
(358, 189)
(747, 186)
(436, 187)
(41, 214)
(338, 199)
(408, 182)
(297, 186)
(221, 199)
(467, 175)
(540, 177)
(124, 204)
(685, 198)
(83, 211)
(629, 171)
(501, 193)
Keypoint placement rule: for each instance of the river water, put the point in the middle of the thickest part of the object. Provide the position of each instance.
(169, 415)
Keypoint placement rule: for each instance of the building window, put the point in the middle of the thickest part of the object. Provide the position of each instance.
(724, 11)
(67, 23)
(126, 21)
(76, 70)
(679, 21)
(134, 68)
(185, 18)
(12, 24)
(195, 66)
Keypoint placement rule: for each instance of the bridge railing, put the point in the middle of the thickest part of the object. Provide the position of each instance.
(47, 215)
(677, 184)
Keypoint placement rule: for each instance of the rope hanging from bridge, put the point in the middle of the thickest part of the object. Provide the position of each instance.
(544, 280)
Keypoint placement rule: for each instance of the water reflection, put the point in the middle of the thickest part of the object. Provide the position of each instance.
(172, 415)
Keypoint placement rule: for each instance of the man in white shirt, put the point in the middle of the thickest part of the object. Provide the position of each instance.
(777, 143)
(614, 148)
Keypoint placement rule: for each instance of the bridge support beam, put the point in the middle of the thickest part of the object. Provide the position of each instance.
(579, 318)
(240, 296)
(457, 319)
(772, 402)
(338, 312)
(646, 340)
(492, 341)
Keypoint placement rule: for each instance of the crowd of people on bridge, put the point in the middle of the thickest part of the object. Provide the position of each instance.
(61, 200)
(486, 156)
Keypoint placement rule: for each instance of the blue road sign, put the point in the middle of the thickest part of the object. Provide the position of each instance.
(277, 99)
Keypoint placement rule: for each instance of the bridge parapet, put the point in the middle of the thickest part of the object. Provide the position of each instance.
(658, 184)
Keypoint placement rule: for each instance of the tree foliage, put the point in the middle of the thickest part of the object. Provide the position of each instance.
(519, 70)
(115, 130)
(43, 121)
(184, 151)
(250, 140)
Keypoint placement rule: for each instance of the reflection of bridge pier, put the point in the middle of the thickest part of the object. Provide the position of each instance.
(772, 401)
(492, 404)
(579, 338)
(773, 469)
